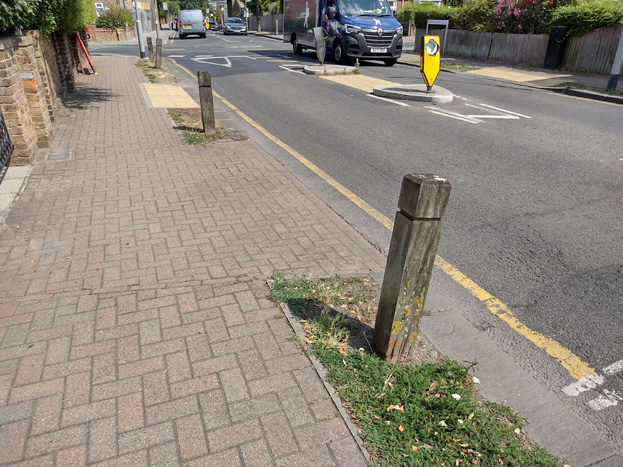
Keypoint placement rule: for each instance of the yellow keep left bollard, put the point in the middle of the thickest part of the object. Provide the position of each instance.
(430, 60)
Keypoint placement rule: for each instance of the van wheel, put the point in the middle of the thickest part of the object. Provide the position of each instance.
(296, 47)
(338, 53)
(182, 36)
(390, 61)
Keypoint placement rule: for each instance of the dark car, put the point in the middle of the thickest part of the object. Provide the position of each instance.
(214, 26)
(234, 26)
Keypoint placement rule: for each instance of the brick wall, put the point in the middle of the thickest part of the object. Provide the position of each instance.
(14, 100)
(64, 61)
(48, 70)
(34, 74)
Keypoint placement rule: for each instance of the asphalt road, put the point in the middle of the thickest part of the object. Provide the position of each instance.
(535, 214)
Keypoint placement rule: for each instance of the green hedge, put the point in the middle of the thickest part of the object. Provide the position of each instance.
(585, 17)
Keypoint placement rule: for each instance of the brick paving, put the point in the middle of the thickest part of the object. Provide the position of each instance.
(134, 324)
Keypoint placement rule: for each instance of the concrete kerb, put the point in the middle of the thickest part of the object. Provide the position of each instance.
(322, 373)
(415, 92)
(324, 70)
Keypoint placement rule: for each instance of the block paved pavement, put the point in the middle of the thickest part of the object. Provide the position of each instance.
(134, 324)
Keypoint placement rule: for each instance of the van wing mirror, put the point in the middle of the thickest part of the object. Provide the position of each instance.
(331, 12)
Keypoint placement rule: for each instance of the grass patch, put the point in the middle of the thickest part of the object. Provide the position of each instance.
(189, 123)
(421, 415)
(568, 84)
(459, 67)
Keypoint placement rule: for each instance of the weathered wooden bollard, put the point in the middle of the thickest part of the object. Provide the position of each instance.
(417, 230)
(207, 101)
(150, 49)
(158, 53)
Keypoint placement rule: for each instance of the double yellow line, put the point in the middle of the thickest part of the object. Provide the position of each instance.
(576, 367)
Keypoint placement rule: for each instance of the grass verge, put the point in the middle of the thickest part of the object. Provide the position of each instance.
(425, 415)
(458, 67)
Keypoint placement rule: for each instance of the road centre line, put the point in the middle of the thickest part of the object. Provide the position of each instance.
(572, 363)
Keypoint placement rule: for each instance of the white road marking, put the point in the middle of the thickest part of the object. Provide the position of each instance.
(505, 115)
(208, 59)
(584, 384)
(454, 116)
(285, 67)
(448, 113)
(614, 368)
(608, 398)
(176, 56)
(391, 101)
(502, 110)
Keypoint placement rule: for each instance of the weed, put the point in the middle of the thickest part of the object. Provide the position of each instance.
(279, 316)
(407, 415)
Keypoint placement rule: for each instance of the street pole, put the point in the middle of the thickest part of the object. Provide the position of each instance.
(257, 14)
(157, 20)
(139, 32)
(617, 64)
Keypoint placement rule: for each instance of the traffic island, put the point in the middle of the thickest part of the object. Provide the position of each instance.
(415, 92)
(324, 70)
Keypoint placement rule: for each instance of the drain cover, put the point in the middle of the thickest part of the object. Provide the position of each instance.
(61, 154)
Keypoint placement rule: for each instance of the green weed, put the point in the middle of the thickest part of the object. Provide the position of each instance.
(426, 415)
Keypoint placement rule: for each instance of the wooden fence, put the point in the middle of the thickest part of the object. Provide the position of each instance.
(593, 52)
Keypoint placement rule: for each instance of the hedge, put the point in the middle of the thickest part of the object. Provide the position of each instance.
(585, 17)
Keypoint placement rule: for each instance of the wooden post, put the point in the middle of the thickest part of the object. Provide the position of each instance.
(158, 53)
(150, 49)
(415, 238)
(207, 101)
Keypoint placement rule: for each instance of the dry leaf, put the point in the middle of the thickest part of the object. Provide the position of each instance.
(415, 448)
(390, 407)
(33, 261)
(401, 428)
(342, 351)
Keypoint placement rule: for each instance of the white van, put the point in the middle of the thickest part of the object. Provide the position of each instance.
(191, 22)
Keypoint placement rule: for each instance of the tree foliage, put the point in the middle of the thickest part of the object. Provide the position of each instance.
(584, 17)
(65, 16)
(115, 18)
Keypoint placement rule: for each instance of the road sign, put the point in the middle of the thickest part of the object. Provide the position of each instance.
(430, 60)
(165, 6)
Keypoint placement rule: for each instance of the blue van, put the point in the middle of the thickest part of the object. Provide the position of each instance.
(364, 29)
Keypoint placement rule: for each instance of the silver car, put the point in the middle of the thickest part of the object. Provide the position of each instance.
(191, 22)
(234, 26)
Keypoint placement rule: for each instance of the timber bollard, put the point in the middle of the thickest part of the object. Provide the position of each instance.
(207, 101)
(150, 49)
(158, 53)
(415, 238)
